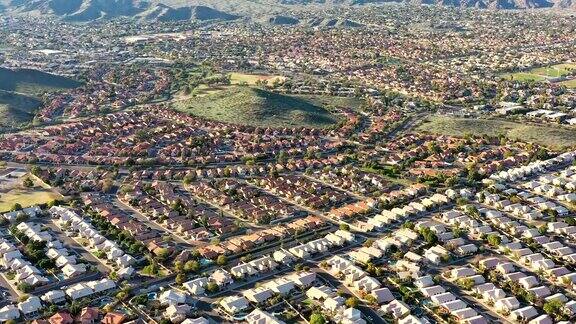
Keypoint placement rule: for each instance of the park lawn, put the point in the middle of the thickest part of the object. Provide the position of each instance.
(542, 73)
(524, 77)
(555, 137)
(251, 79)
(554, 70)
(26, 197)
(569, 83)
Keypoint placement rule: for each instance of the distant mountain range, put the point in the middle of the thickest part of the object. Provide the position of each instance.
(484, 4)
(222, 10)
(91, 10)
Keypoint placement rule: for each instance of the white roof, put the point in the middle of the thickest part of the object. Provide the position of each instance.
(31, 305)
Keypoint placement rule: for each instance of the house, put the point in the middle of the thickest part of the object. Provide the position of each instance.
(221, 277)
(281, 286)
(424, 281)
(466, 249)
(505, 267)
(382, 295)
(320, 293)
(528, 282)
(462, 272)
(366, 284)
(453, 305)
(478, 319)
(30, 306)
(507, 305)
(397, 308)
(432, 290)
(196, 286)
(89, 315)
(177, 313)
(99, 286)
(464, 313)
(73, 270)
(283, 257)
(258, 316)
(113, 318)
(258, 295)
(334, 303)
(540, 292)
(199, 320)
(9, 312)
(243, 270)
(351, 315)
(54, 297)
(493, 295)
(542, 319)
(61, 318)
(78, 291)
(172, 297)
(234, 304)
(524, 313)
(442, 298)
(303, 279)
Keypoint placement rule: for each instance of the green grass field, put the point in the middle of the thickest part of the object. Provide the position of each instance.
(555, 70)
(542, 73)
(15, 193)
(525, 77)
(251, 79)
(26, 198)
(257, 107)
(550, 136)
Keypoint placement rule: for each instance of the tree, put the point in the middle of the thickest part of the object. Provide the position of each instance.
(28, 183)
(140, 299)
(212, 287)
(543, 229)
(428, 235)
(180, 278)
(466, 283)
(494, 240)
(21, 217)
(371, 299)
(554, 308)
(25, 287)
(352, 302)
(178, 266)
(317, 318)
(162, 254)
(344, 227)
(408, 224)
(192, 266)
(16, 206)
(369, 242)
(221, 260)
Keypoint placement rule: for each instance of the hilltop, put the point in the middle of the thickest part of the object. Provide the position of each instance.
(257, 107)
(33, 82)
(16, 109)
(20, 92)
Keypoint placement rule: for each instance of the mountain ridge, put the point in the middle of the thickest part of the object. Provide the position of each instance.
(224, 10)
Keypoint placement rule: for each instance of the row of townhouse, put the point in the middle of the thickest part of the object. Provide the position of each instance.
(67, 219)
